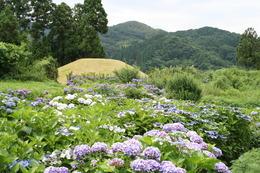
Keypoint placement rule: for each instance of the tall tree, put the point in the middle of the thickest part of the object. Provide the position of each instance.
(61, 31)
(9, 27)
(41, 20)
(21, 9)
(89, 20)
(95, 15)
(248, 49)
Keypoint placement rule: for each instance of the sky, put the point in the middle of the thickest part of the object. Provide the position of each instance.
(176, 15)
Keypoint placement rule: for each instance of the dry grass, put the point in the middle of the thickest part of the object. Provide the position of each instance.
(92, 65)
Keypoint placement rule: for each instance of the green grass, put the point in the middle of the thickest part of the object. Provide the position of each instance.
(36, 87)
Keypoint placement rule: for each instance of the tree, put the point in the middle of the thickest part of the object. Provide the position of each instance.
(96, 16)
(61, 31)
(21, 9)
(89, 19)
(248, 51)
(41, 20)
(9, 27)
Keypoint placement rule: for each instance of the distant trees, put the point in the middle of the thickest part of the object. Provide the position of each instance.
(248, 51)
(57, 30)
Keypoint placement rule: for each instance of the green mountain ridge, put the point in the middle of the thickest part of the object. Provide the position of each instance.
(140, 44)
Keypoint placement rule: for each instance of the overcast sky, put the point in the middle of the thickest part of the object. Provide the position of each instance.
(174, 15)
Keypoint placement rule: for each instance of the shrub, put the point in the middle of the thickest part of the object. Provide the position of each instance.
(183, 87)
(135, 93)
(248, 162)
(127, 74)
(40, 70)
(12, 58)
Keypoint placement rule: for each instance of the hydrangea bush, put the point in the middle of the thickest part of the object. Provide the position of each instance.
(88, 130)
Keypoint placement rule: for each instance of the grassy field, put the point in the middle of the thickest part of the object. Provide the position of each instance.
(35, 87)
(91, 65)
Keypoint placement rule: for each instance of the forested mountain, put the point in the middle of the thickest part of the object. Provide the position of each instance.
(139, 44)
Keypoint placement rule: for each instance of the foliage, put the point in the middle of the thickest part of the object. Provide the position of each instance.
(127, 74)
(248, 51)
(232, 86)
(249, 162)
(9, 27)
(183, 87)
(134, 93)
(41, 70)
(12, 57)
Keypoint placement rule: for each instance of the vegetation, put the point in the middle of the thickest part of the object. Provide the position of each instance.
(248, 51)
(248, 162)
(80, 119)
(183, 87)
(48, 29)
(232, 86)
(141, 45)
(127, 74)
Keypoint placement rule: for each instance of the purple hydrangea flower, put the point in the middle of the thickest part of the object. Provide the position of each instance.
(81, 150)
(118, 147)
(193, 146)
(174, 127)
(140, 165)
(180, 170)
(132, 147)
(116, 162)
(99, 147)
(217, 152)
(53, 169)
(152, 153)
(221, 168)
(194, 137)
(156, 133)
(209, 154)
(167, 167)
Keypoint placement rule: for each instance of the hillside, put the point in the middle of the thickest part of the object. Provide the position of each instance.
(139, 44)
(91, 65)
(126, 34)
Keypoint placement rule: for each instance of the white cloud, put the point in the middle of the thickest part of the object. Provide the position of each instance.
(172, 15)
